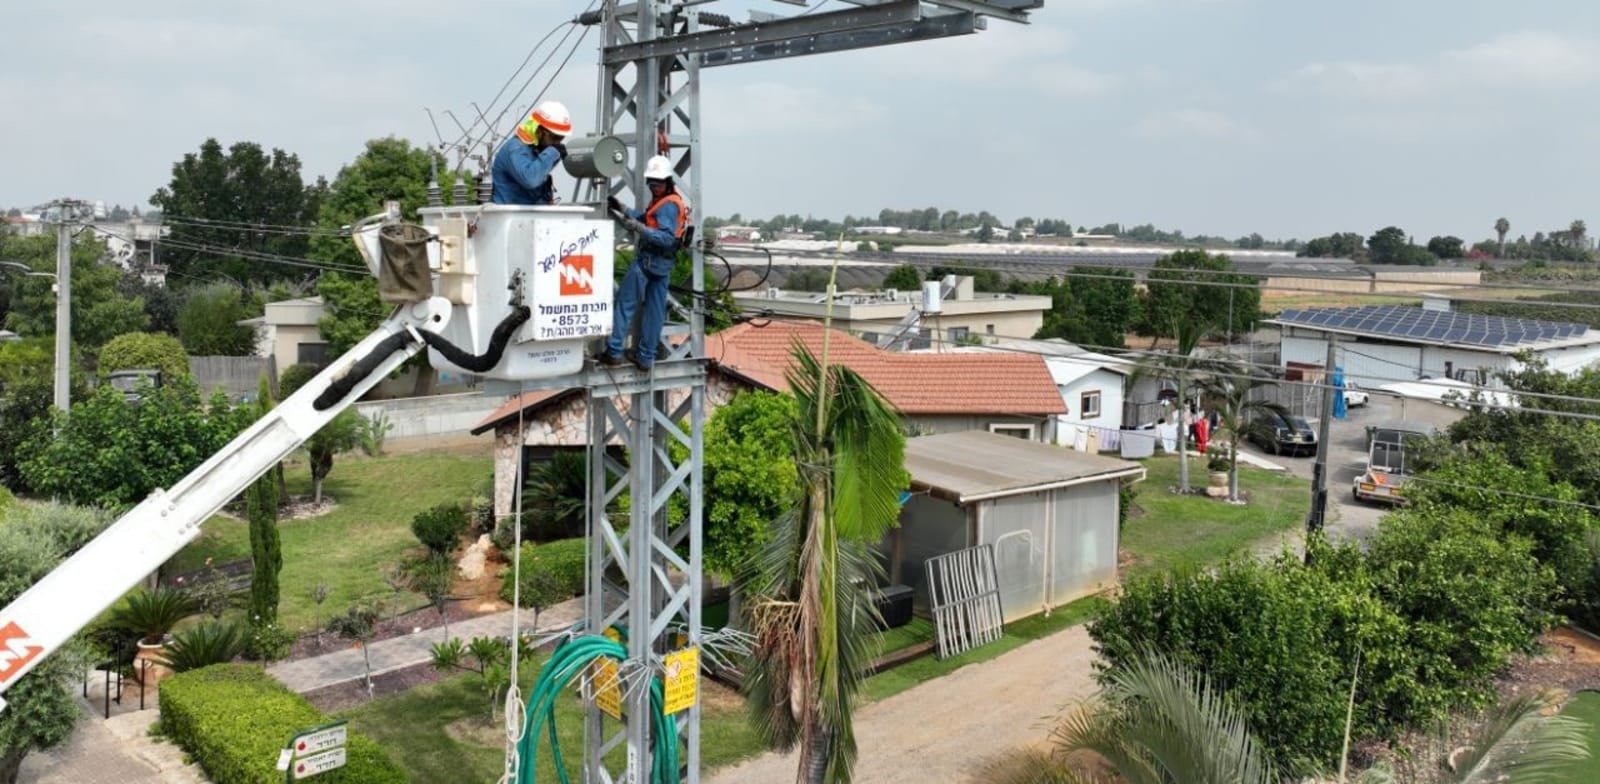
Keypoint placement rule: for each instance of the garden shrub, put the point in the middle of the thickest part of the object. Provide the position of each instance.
(1279, 638)
(440, 528)
(145, 351)
(233, 719)
(1472, 598)
(563, 559)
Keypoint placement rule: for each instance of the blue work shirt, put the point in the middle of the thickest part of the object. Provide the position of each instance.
(522, 173)
(658, 247)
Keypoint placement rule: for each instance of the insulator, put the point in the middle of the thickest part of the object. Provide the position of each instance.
(458, 195)
(715, 20)
(435, 194)
(485, 188)
(590, 18)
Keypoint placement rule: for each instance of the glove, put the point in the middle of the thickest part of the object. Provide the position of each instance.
(614, 205)
(560, 148)
(634, 226)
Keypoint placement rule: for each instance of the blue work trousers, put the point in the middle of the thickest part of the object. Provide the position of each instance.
(646, 283)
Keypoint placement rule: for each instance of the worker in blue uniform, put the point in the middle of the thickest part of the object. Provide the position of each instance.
(522, 168)
(660, 229)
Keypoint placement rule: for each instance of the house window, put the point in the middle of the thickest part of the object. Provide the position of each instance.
(988, 329)
(958, 334)
(1089, 405)
(311, 354)
(1024, 432)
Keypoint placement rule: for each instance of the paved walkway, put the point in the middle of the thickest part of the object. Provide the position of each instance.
(115, 751)
(344, 663)
(944, 729)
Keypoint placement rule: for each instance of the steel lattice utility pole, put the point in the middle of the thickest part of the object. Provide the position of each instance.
(646, 431)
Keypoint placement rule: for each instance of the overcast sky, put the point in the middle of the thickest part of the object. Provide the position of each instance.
(1211, 116)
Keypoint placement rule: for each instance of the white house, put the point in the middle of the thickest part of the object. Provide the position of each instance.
(288, 332)
(1091, 388)
(1384, 343)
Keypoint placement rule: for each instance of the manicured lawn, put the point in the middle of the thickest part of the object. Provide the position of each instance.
(349, 548)
(440, 733)
(1193, 530)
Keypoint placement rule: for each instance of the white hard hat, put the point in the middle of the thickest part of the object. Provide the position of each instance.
(550, 115)
(658, 168)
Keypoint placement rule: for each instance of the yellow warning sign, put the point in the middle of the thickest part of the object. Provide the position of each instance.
(607, 687)
(683, 679)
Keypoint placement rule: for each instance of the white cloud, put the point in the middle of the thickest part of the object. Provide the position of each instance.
(1195, 124)
(1523, 60)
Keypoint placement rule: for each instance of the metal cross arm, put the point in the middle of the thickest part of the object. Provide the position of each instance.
(26, 270)
(892, 13)
(1009, 10)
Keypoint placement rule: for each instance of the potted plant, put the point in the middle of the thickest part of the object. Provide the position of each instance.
(1217, 463)
(151, 614)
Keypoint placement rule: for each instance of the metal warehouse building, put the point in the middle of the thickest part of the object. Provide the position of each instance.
(1397, 342)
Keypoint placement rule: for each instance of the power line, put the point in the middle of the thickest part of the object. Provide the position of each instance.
(262, 228)
(571, 27)
(507, 83)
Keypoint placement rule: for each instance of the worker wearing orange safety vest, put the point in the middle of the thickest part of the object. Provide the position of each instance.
(522, 168)
(660, 229)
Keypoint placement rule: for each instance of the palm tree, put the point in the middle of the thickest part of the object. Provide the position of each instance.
(1516, 742)
(1158, 722)
(810, 609)
(1501, 227)
(1177, 366)
(1230, 386)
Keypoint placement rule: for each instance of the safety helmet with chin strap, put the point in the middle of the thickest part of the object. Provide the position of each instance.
(552, 116)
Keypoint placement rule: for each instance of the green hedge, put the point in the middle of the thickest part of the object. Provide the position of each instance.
(234, 719)
(563, 558)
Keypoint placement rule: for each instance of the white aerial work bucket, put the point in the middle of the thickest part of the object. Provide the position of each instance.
(489, 259)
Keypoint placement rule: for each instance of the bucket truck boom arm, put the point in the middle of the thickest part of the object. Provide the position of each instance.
(70, 597)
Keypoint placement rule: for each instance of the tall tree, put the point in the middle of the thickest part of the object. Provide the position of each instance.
(266, 552)
(1178, 366)
(810, 613)
(1447, 247)
(1501, 227)
(1197, 288)
(389, 169)
(1388, 245)
(1578, 234)
(213, 198)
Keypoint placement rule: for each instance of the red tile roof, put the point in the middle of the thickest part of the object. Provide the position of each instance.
(525, 400)
(915, 383)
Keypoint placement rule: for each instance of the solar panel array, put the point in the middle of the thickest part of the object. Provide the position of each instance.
(1434, 326)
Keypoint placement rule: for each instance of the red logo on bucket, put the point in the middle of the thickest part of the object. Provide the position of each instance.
(15, 653)
(577, 275)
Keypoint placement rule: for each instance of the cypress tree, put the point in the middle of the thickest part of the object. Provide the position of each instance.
(261, 507)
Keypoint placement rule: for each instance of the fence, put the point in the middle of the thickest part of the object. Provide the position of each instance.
(238, 377)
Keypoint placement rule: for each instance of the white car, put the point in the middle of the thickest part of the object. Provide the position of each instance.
(1354, 397)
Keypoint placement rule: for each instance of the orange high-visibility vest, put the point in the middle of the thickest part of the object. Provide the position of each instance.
(683, 213)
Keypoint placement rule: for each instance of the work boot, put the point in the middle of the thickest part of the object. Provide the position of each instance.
(603, 356)
(633, 357)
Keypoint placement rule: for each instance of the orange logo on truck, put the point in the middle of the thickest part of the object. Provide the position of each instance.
(15, 653)
(577, 275)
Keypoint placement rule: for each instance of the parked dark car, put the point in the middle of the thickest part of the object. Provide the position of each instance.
(1284, 436)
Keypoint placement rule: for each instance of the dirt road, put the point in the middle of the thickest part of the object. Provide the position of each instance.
(942, 730)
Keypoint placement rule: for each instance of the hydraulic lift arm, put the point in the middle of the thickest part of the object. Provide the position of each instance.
(83, 586)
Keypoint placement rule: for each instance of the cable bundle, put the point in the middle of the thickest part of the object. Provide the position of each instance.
(570, 661)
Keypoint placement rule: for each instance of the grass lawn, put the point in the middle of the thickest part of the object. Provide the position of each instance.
(349, 548)
(1193, 530)
(440, 733)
